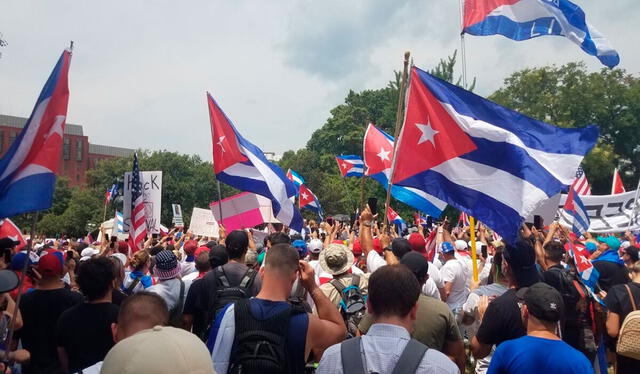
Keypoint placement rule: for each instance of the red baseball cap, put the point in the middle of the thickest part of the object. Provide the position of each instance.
(200, 250)
(417, 243)
(52, 263)
(357, 248)
(190, 247)
(377, 246)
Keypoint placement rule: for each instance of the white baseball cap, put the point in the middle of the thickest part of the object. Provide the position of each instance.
(315, 246)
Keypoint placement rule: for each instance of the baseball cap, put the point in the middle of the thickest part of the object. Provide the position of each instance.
(447, 247)
(301, 246)
(611, 241)
(8, 280)
(417, 243)
(201, 249)
(190, 247)
(17, 262)
(416, 262)
(51, 263)
(591, 246)
(315, 246)
(170, 347)
(460, 245)
(377, 245)
(8, 243)
(543, 301)
(357, 247)
(218, 256)
(521, 257)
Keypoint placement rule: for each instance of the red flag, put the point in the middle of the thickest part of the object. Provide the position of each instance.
(617, 186)
(8, 229)
(226, 151)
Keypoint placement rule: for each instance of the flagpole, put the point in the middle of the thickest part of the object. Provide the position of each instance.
(635, 203)
(362, 188)
(12, 325)
(463, 48)
(104, 212)
(399, 117)
(219, 201)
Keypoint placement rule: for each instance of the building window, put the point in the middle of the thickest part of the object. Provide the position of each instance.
(12, 136)
(79, 150)
(66, 149)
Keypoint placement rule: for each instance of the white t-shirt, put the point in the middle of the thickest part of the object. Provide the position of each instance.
(375, 261)
(453, 272)
(432, 285)
(169, 290)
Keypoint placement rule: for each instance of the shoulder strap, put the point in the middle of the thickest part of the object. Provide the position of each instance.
(221, 277)
(181, 297)
(411, 357)
(338, 285)
(355, 280)
(580, 290)
(132, 286)
(247, 278)
(633, 302)
(351, 357)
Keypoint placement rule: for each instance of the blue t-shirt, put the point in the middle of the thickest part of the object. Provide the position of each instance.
(533, 355)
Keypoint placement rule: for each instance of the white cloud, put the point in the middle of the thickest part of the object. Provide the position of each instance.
(140, 69)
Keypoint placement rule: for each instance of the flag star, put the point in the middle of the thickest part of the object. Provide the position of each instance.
(384, 155)
(220, 140)
(428, 133)
(304, 196)
(344, 165)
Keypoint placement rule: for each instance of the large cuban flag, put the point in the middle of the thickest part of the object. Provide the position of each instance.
(526, 19)
(27, 170)
(482, 158)
(378, 155)
(242, 165)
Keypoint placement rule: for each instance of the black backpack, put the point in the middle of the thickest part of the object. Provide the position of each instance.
(227, 294)
(259, 346)
(353, 304)
(408, 362)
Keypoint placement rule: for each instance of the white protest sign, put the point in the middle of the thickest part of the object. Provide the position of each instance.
(607, 213)
(203, 223)
(177, 215)
(152, 196)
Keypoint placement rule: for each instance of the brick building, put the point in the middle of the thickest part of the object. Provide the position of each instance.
(78, 155)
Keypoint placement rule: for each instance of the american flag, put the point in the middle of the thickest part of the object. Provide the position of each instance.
(463, 220)
(581, 184)
(138, 230)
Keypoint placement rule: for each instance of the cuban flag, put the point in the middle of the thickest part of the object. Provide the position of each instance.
(27, 170)
(118, 225)
(378, 158)
(526, 19)
(8, 229)
(295, 178)
(588, 273)
(395, 218)
(350, 165)
(308, 200)
(242, 165)
(418, 219)
(482, 158)
(463, 220)
(575, 213)
(111, 194)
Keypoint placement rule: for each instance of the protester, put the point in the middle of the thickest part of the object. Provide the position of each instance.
(453, 273)
(117, 296)
(40, 311)
(621, 300)
(202, 265)
(232, 339)
(435, 325)
(170, 287)
(188, 266)
(608, 263)
(139, 278)
(500, 319)
(193, 319)
(630, 256)
(434, 285)
(541, 350)
(8, 281)
(393, 303)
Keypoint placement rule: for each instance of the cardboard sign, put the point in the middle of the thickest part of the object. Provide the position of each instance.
(177, 215)
(152, 197)
(203, 223)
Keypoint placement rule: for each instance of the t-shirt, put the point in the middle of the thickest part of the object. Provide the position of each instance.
(618, 300)
(199, 318)
(40, 310)
(611, 274)
(84, 331)
(533, 355)
(117, 297)
(453, 271)
(502, 320)
(434, 326)
(169, 290)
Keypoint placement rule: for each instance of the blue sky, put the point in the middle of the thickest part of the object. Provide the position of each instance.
(141, 69)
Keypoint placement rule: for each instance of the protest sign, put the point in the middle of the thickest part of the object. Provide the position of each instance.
(177, 215)
(243, 211)
(607, 213)
(152, 197)
(203, 223)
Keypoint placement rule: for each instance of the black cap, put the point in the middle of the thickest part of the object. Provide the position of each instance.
(543, 301)
(416, 262)
(7, 243)
(8, 280)
(218, 256)
(522, 261)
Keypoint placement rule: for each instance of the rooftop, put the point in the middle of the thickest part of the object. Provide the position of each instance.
(19, 122)
(110, 151)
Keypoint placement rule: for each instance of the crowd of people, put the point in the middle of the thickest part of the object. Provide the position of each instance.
(334, 298)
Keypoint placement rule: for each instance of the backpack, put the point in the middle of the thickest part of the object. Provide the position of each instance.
(129, 290)
(629, 337)
(175, 314)
(408, 362)
(227, 294)
(353, 303)
(259, 346)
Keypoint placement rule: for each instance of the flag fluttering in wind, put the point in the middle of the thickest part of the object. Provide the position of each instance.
(350, 165)
(111, 194)
(482, 158)
(138, 227)
(295, 178)
(242, 165)
(308, 200)
(526, 19)
(27, 170)
(617, 186)
(581, 184)
(574, 207)
(8, 229)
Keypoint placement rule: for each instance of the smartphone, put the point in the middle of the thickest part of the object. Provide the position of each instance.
(483, 251)
(69, 255)
(330, 221)
(373, 205)
(538, 222)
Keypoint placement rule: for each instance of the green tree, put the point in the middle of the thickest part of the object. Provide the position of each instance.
(570, 96)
